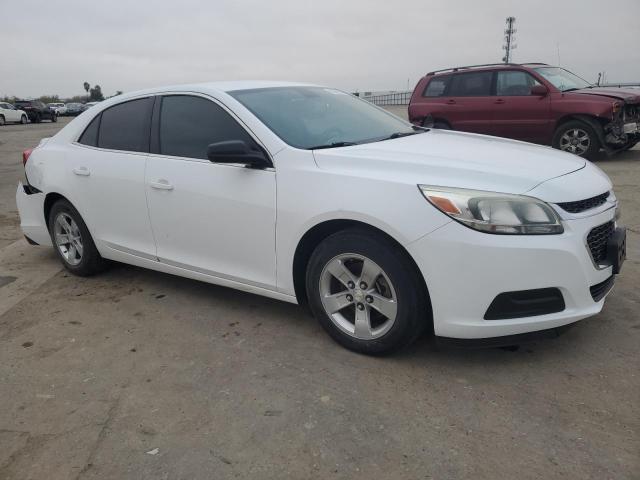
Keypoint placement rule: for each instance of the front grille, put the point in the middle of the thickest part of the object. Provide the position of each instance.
(599, 290)
(582, 205)
(597, 241)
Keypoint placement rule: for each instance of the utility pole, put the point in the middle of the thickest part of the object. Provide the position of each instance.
(509, 39)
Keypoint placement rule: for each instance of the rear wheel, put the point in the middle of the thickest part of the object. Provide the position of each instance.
(577, 137)
(365, 292)
(37, 118)
(54, 117)
(72, 240)
(2, 122)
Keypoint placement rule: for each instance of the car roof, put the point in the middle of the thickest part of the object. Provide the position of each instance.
(213, 87)
(485, 67)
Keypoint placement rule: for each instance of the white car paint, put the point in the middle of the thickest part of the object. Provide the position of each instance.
(10, 113)
(240, 227)
(60, 108)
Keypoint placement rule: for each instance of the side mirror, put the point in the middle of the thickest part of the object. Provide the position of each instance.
(539, 90)
(237, 151)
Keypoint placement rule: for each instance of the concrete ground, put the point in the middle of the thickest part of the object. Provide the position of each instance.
(142, 375)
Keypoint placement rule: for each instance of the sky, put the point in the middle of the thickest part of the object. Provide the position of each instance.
(53, 46)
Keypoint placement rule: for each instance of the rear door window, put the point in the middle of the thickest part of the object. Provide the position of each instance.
(474, 84)
(436, 86)
(90, 134)
(188, 124)
(126, 126)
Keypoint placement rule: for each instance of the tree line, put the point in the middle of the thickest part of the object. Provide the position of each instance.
(94, 94)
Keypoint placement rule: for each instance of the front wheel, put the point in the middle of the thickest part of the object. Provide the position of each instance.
(23, 119)
(578, 138)
(72, 241)
(366, 293)
(2, 120)
(54, 117)
(37, 119)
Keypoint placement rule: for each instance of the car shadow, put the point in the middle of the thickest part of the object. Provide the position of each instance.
(270, 314)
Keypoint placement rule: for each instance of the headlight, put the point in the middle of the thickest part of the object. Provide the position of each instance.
(493, 212)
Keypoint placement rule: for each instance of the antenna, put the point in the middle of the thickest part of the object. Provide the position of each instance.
(509, 39)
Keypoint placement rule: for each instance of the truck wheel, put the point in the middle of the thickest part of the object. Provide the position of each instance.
(578, 138)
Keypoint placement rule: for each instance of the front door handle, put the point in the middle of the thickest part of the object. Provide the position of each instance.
(500, 100)
(82, 171)
(161, 184)
(451, 102)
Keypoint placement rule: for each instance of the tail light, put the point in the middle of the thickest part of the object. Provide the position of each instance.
(25, 156)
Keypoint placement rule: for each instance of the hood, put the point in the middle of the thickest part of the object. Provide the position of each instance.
(453, 159)
(628, 94)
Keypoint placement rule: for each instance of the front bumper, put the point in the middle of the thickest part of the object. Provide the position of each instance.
(466, 270)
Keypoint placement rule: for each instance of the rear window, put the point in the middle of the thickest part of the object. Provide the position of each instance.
(126, 126)
(437, 86)
(90, 134)
(476, 84)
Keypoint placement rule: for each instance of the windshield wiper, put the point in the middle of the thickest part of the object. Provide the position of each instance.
(416, 130)
(571, 89)
(400, 134)
(332, 145)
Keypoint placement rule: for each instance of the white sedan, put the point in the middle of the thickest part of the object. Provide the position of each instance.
(60, 108)
(310, 195)
(10, 114)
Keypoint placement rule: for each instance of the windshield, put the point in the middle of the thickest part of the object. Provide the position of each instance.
(310, 117)
(562, 79)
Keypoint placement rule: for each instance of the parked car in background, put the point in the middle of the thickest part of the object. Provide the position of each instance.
(60, 108)
(10, 114)
(74, 109)
(533, 102)
(383, 228)
(37, 110)
(88, 105)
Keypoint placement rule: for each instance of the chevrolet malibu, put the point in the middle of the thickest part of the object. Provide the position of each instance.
(310, 195)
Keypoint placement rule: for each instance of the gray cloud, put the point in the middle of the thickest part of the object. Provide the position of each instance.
(350, 44)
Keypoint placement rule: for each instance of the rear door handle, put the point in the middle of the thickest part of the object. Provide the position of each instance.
(82, 171)
(161, 184)
(500, 100)
(451, 102)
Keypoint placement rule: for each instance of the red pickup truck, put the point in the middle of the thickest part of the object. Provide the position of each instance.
(533, 102)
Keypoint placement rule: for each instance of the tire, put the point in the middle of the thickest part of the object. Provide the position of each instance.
(431, 123)
(396, 289)
(2, 121)
(54, 118)
(37, 118)
(588, 144)
(84, 262)
(23, 119)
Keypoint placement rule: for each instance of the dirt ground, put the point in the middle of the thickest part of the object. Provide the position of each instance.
(142, 375)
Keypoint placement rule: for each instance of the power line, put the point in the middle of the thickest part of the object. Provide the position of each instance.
(509, 39)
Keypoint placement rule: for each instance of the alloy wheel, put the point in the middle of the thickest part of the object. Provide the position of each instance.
(575, 140)
(68, 238)
(358, 296)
